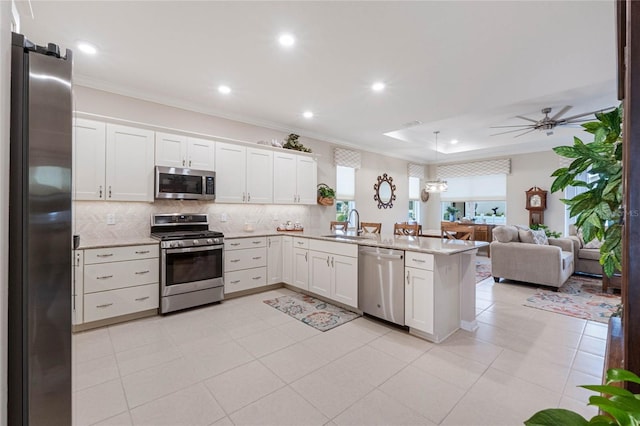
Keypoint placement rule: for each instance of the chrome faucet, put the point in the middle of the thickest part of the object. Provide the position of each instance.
(358, 230)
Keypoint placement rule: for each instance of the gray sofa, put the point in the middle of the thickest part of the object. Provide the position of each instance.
(546, 264)
(586, 260)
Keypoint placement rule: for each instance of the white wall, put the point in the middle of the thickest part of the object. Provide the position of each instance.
(5, 97)
(527, 170)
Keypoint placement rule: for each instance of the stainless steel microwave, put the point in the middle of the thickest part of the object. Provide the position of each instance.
(185, 184)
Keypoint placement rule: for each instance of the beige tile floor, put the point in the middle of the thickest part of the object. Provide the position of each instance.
(243, 362)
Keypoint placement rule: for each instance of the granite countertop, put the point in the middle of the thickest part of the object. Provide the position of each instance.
(399, 242)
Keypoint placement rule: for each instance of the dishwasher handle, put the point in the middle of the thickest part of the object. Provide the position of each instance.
(382, 255)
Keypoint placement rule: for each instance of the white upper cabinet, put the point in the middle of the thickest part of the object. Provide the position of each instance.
(129, 165)
(112, 162)
(243, 174)
(184, 151)
(89, 149)
(294, 179)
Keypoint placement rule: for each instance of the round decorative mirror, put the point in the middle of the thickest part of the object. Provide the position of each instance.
(385, 192)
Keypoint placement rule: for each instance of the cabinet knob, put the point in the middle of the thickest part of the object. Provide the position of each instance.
(408, 282)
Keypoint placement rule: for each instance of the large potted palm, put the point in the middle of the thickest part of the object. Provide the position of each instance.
(598, 209)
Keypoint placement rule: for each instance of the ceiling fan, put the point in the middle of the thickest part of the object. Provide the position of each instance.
(547, 123)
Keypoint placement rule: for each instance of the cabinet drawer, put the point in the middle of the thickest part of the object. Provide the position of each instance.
(110, 276)
(244, 259)
(244, 243)
(338, 249)
(107, 304)
(245, 280)
(116, 254)
(419, 260)
(301, 242)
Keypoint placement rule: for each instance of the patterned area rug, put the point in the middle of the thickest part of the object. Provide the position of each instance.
(483, 270)
(314, 312)
(579, 297)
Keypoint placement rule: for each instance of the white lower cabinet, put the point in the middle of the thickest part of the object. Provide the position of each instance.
(274, 259)
(333, 271)
(118, 281)
(300, 264)
(245, 264)
(287, 259)
(418, 298)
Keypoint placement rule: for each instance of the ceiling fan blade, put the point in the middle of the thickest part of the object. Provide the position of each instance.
(515, 125)
(525, 118)
(508, 131)
(561, 112)
(587, 113)
(522, 134)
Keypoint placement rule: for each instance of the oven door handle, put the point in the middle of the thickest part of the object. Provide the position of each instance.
(194, 249)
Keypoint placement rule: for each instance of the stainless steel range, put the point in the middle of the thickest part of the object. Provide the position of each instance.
(191, 261)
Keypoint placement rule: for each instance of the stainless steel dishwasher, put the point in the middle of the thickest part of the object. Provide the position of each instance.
(381, 283)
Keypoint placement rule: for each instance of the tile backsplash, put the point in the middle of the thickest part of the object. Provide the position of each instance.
(133, 219)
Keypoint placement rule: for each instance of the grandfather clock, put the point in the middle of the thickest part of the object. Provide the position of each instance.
(536, 204)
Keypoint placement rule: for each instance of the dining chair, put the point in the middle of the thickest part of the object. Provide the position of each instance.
(338, 226)
(412, 229)
(371, 227)
(456, 231)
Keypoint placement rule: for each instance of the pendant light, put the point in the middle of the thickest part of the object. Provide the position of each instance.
(436, 185)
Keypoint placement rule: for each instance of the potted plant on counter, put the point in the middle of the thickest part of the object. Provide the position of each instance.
(326, 195)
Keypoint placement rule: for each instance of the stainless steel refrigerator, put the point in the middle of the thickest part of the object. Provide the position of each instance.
(40, 240)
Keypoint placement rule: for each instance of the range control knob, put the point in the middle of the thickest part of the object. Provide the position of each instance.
(196, 242)
(209, 241)
(180, 243)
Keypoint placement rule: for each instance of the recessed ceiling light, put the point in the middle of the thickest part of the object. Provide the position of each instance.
(87, 48)
(286, 40)
(454, 141)
(378, 86)
(224, 89)
(307, 114)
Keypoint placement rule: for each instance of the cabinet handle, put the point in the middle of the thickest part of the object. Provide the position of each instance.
(142, 251)
(248, 196)
(294, 198)
(256, 278)
(234, 282)
(418, 260)
(140, 299)
(243, 197)
(234, 244)
(78, 260)
(306, 256)
(104, 255)
(327, 261)
(189, 163)
(257, 257)
(408, 282)
(106, 305)
(100, 190)
(234, 260)
(183, 162)
(300, 242)
(104, 277)
(109, 191)
(332, 261)
(269, 242)
(142, 272)
(256, 242)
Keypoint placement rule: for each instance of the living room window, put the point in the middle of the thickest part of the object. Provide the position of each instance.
(481, 199)
(414, 199)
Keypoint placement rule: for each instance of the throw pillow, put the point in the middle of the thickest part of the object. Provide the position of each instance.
(505, 233)
(526, 236)
(540, 237)
(593, 244)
